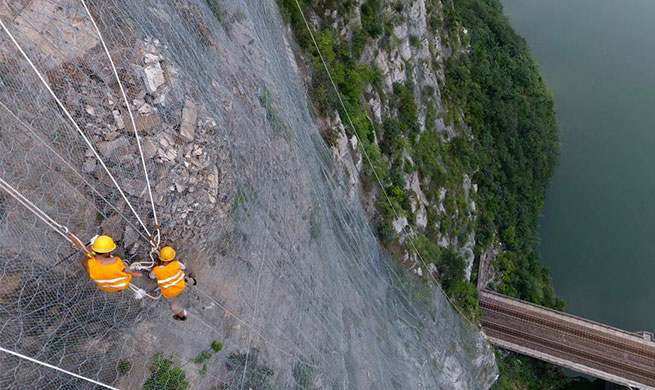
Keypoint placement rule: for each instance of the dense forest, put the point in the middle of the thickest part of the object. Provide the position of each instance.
(511, 112)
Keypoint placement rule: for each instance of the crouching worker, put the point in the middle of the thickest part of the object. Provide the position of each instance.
(106, 270)
(171, 280)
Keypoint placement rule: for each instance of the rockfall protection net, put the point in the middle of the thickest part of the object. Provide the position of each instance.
(294, 290)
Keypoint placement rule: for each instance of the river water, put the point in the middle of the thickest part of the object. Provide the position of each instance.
(599, 220)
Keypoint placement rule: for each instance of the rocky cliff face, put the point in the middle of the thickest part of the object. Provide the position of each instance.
(407, 47)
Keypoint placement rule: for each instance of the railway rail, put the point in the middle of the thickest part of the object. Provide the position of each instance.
(620, 356)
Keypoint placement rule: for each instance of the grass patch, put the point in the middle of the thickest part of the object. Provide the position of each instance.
(202, 357)
(257, 375)
(304, 376)
(124, 366)
(217, 346)
(165, 376)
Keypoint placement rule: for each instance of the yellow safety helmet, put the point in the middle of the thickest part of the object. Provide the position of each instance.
(166, 253)
(103, 244)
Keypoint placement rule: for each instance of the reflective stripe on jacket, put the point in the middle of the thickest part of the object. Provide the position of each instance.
(170, 278)
(109, 277)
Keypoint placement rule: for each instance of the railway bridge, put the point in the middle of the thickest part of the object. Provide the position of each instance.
(585, 346)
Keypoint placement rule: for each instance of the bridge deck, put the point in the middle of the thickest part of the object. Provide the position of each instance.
(585, 346)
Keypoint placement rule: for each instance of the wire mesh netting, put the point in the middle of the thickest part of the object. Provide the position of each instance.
(293, 288)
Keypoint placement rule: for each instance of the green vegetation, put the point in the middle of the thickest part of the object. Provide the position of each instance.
(217, 346)
(202, 357)
(371, 17)
(257, 375)
(165, 376)
(441, 164)
(511, 112)
(506, 135)
(304, 376)
(522, 372)
(124, 366)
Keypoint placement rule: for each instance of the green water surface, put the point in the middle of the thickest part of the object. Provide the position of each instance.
(598, 227)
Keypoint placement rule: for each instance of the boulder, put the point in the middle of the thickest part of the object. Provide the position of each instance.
(153, 77)
(399, 224)
(146, 109)
(189, 118)
(115, 148)
(149, 147)
(145, 123)
(134, 187)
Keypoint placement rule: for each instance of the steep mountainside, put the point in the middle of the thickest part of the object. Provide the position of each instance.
(455, 119)
(448, 131)
(294, 288)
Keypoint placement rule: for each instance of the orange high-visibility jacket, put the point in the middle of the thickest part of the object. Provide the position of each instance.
(109, 278)
(170, 278)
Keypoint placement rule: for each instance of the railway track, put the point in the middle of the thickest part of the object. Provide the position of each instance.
(572, 330)
(569, 341)
(571, 353)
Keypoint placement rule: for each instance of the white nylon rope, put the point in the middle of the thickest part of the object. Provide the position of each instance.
(72, 168)
(68, 115)
(57, 368)
(59, 228)
(129, 110)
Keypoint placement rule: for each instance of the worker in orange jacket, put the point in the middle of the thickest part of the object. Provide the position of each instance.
(171, 280)
(106, 270)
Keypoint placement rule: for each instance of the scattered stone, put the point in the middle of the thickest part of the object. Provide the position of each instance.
(145, 123)
(90, 110)
(118, 118)
(189, 117)
(115, 148)
(149, 148)
(130, 236)
(138, 102)
(167, 155)
(134, 187)
(161, 187)
(111, 135)
(160, 100)
(151, 58)
(89, 166)
(146, 109)
(153, 77)
(212, 181)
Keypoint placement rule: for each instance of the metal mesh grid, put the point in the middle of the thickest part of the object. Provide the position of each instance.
(291, 279)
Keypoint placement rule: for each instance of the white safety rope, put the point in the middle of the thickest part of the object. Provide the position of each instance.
(34, 134)
(19, 355)
(70, 117)
(59, 228)
(368, 159)
(140, 293)
(129, 110)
